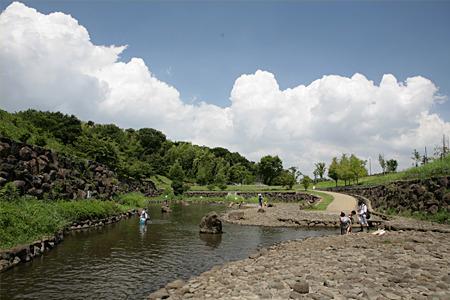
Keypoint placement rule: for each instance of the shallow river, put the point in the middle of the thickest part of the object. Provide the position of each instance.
(129, 261)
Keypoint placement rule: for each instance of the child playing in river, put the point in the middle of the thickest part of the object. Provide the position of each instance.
(350, 216)
(345, 223)
(143, 217)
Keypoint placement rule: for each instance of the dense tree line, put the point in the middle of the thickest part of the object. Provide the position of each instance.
(144, 152)
(130, 152)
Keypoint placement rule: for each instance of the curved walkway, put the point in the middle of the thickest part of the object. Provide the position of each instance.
(341, 202)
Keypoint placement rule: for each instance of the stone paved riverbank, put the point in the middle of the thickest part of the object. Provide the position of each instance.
(397, 265)
(412, 261)
(284, 214)
(289, 215)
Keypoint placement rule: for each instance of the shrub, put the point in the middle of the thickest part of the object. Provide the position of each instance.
(178, 187)
(132, 200)
(9, 192)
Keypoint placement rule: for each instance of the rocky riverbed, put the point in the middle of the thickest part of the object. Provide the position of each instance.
(410, 261)
(284, 214)
(289, 215)
(396, 265)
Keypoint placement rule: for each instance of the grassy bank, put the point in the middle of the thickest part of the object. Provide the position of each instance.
(242, 188)
(433, 169)
(228, 198)
(25, 220)
(161, 182)
(326, 200)
(442, 216)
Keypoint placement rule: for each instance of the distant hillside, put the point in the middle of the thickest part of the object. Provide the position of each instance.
(131, 153)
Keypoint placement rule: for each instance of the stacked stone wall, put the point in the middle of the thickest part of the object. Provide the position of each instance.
(44, 173)
(274, 196)
(422, 195)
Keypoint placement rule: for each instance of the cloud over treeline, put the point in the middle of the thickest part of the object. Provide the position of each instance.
(49, 62)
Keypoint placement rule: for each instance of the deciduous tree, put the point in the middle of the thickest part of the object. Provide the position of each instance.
(333, 170)
(306, 182)
(391, 165)
(320, 169)
(269, 168)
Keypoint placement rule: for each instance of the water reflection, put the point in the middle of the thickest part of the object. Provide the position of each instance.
(211, 240)
(142, 229)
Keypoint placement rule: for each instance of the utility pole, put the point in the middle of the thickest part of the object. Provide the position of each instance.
(448, 143)
(444, 149)
(425, 156)
(370, 167)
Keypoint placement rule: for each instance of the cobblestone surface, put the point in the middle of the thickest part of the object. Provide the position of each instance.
(397, 265)
(412, 261)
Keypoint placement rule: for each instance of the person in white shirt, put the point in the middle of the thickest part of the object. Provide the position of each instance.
(144, 216)
(362, 215)
(344, 222)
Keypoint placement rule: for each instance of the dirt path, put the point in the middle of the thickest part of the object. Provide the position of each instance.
(341, 202)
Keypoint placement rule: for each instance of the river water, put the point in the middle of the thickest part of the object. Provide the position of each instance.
(128, 261)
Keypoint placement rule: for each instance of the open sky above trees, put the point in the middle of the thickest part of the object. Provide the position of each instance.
(301, 80)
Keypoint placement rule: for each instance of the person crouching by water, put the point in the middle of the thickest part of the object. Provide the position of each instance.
(144, 217)
(350, 216)
(345, 223)
(260, 200)
(362, 215)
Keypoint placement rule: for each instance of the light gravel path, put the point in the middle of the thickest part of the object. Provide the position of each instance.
(340, 203)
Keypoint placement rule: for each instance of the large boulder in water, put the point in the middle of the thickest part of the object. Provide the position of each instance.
(211, 223)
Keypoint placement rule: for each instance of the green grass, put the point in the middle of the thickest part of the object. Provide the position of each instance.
(132, 200)
(162, 182)
(242, 188)
(228, 198)
(442, 216)
(326, 200)
(26, 220)
(433, 169)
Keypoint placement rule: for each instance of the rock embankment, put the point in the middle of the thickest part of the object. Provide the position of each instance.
(46, 174)
(273, 196)
(397, 265)
(422, 195)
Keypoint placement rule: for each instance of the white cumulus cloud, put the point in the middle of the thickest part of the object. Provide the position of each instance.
(48, 62)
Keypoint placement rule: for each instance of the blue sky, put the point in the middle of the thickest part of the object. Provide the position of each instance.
(257, 77)
(202, 47)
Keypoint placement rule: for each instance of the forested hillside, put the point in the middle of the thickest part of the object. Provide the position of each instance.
(131, 153)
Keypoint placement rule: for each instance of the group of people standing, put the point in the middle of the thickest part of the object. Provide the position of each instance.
(347, 221)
